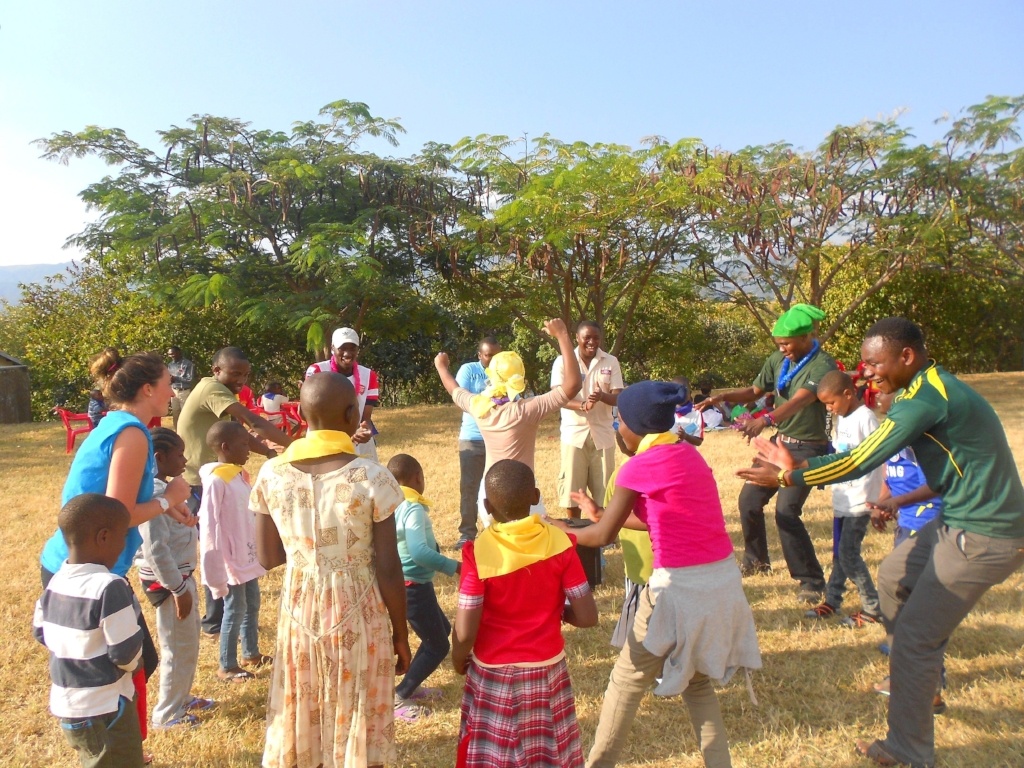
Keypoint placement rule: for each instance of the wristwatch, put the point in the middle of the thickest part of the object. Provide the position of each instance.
(163, 502)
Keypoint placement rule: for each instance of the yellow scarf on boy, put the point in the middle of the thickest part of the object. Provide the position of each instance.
(318, 443)
(503, 548)
(228, 472)
(413, 495)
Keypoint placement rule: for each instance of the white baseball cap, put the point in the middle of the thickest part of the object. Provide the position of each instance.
(344, 336)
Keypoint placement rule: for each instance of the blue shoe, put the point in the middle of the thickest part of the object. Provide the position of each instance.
(884, 649)
(200, 705)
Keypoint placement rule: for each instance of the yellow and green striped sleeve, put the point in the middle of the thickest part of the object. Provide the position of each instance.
(887, 440)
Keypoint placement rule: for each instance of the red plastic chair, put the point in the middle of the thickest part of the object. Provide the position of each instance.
(295, 424)
(69, 418)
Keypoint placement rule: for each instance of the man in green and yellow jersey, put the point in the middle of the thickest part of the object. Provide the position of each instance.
(929, 583)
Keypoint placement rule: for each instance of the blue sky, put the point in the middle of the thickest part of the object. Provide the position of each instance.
(730, 73)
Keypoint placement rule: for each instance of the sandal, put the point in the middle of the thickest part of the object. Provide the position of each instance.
(876, 753)
(425, 694)
(200, 705)
(258, 661)
(938, 703)
(238, 676)
(183, 722)
(147, 758)
(407, 711)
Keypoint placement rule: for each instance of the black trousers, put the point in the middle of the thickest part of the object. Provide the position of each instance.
(472, 457)
(797, 547)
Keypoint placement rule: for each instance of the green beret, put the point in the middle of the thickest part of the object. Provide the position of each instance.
(798, 320)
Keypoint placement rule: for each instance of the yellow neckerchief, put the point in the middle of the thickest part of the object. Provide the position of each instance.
(318, 443)
(503, 548)
(660, 438)
(228, 472)
(411, 494)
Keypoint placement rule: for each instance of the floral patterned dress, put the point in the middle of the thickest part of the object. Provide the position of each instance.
(332, 690)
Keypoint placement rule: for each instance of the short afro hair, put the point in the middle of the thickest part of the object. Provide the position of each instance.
(84, 515)
(898, 332)
(835, 383)
(404, 467)
(510, 486)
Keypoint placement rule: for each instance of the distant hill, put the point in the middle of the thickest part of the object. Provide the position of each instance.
(10, 277)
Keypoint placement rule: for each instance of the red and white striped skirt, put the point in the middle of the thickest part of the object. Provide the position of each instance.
(519, 717)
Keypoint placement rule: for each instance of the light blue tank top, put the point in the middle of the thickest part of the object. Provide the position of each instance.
(89, 472)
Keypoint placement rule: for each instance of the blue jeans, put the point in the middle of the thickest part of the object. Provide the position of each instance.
(432, 627)
(241, 617)
(850, 565)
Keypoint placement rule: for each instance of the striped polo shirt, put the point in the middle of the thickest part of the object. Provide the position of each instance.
(88, 618)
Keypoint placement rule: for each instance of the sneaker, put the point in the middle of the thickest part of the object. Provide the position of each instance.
(884, 649)
(184, 722)
(408, 711)
(809, 595)
(755, 569)
(859, 619)
(823, 611)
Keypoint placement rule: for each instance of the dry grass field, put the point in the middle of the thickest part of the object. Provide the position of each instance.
(814, 691)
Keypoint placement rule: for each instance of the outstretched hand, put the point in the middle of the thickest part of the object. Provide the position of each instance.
(752, 428)
(762, 474)
(774, 453)
(586, 504)
(703, 405)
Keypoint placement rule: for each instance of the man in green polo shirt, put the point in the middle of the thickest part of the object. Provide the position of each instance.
(212, 399)
(792, 373)
(929, 583)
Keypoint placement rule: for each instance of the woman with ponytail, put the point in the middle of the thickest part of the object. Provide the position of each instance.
(117, 460)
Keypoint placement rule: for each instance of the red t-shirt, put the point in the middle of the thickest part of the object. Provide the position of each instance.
(522, 610)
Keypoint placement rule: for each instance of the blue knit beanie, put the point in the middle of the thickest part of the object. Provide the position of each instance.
(648, 407)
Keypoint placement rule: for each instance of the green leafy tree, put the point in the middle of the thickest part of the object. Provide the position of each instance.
(297, 230)
(791, 227)
(577, 231)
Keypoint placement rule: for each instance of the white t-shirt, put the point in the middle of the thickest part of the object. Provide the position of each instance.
(849, 499)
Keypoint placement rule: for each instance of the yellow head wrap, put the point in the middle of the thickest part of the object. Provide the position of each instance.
(507, 377)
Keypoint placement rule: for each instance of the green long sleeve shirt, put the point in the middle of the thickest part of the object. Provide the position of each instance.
(417, 546)
(959, 443)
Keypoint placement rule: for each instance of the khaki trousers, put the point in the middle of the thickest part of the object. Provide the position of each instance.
(632, 676)
(177, 403)
(588, 468)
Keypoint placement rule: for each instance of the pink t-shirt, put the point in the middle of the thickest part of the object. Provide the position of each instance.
(678, 500)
